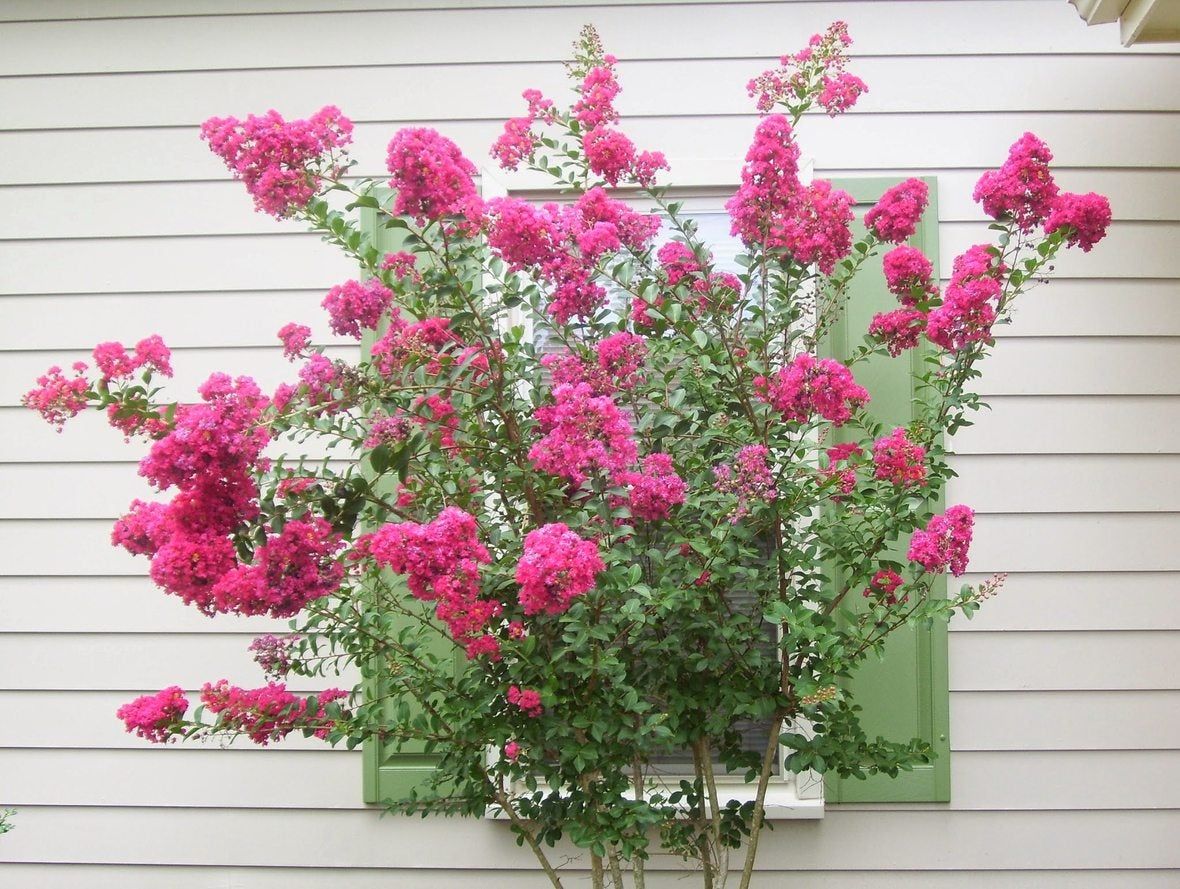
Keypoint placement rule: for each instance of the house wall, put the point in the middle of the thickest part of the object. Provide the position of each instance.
(117, 222)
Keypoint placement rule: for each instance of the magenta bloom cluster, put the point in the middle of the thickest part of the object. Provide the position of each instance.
(561, 246)
(556, 567)
(773, 208)
(278, 160)
(155, 717)
(810, 386)
(944, 542)
(441, 561)
(269, 713)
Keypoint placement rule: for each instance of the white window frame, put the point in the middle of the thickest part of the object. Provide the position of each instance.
(788, 796)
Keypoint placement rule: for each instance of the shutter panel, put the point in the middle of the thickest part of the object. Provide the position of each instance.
(392, 770)
(905, 695)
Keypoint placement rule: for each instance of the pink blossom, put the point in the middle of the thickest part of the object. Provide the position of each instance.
(895, 217)
(908, 275)
(555, 568)
(113, 362)
(841, 468)
(970, 302)
(899, 460)
(441, 562)
(274, 654)
(561, 246)
(609, 153)
(822, 60)
(582, 432)
(810, 386)
(527, 700)
(620, 357)
(1084, 217)
(597, 93)
(749, 478)
(883, 587)
(386, 429)
(899, 329)
(511, 751)
(269, 713)
(296, 339)
(292, 568)
(770, 181)
(278, 160)
(321, 377)
(56, 397)
(155, 717)
(402, 265)
(944, 542)
(431, 176)
(353, 305)
(143, 530)
(516, 144)
(816, 230)
(190, 563)
(1022, 189)
(840, 93)
(654, 491)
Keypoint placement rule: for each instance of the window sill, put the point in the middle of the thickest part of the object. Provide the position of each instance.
(798, 798)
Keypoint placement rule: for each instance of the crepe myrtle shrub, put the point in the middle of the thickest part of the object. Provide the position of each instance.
(552, 567)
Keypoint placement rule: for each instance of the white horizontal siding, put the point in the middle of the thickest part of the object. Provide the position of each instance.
(68, 876)
(849, 839)
(116, 222)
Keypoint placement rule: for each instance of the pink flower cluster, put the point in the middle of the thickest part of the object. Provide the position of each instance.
(432, 178)
(771, 207)
(681, 267)
(583, 432)
(296, 339)
(354, 305)
(1084, 217)
(900, 329)
(970, 302)
(944, 542)
(561, 246)
(274, 654)
(655, 490)
(441, 562)
(387, 429)
(898, 460)
(909, 275)
(290, 569)
(883, 587)
(402, 264)
(278, 160)
(1022, 189)
(555, 568)
(269, 713)
(809, 386)
(155, 717)
(528, 701)
(57, 397)
(210, 455)
(150, 356)
(749, 478)
(620, 357)
(894, 218)
(818, 66)
(841, 468)
(518, 141)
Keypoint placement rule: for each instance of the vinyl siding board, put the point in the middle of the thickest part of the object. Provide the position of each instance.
(116, 222)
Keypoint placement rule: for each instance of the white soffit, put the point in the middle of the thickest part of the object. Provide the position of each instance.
(1140, 21)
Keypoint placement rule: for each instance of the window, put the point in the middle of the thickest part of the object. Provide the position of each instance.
(904, 695)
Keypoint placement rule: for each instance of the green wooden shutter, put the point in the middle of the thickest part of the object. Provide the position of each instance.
(905, 695)
(391, 769)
